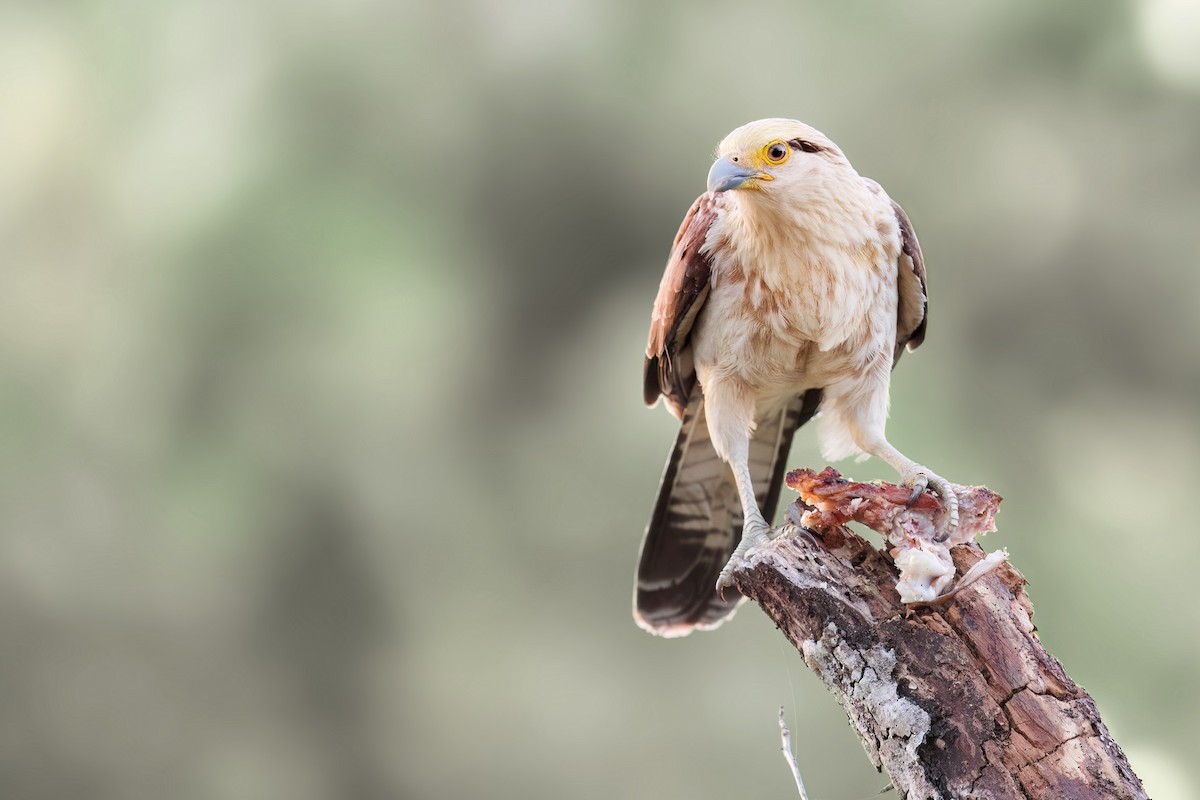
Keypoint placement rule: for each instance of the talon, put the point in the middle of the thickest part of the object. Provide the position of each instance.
(725, 579)
(919, 483)
(922, 480)
(813, 537)
(950, 501)
(753, 539)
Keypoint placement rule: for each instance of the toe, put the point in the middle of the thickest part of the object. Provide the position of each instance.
(723, 583)
(736, 561)
(952, 512)
(921, 479)
(759, 540)
(949, 501)
(919, 482)
(918, 487)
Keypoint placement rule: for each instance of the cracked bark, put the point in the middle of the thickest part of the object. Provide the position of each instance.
(958, 700)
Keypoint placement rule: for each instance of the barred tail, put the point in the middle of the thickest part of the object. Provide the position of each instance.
(697, 520)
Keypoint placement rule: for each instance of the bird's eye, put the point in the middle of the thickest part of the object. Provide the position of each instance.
(778, 152)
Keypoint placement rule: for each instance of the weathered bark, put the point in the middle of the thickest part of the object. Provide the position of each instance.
(958, 700)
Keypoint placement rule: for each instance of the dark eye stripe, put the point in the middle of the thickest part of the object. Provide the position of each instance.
(806, 146)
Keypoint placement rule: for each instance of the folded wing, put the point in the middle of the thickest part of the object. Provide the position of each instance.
(669, 372)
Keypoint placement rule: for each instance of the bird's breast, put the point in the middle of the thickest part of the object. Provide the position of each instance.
(790, 318)
(810, 292)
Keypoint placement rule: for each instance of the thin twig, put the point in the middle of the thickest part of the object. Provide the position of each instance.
(786, 736)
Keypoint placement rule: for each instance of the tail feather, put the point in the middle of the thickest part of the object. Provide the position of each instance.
(697, 520)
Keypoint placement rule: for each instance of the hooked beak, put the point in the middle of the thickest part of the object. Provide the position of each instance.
(726, 175)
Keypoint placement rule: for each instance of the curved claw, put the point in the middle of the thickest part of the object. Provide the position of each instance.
(725, 579)
(752, 539)
(919, 484)
(924, 479)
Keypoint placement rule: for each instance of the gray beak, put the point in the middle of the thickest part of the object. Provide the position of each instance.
(726, 175)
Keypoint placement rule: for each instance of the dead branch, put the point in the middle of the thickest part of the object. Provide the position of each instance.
(785, 738)
(955, 699)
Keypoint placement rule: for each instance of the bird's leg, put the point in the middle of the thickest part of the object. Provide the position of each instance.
(756, 533)
(860, 409)
(918, 478)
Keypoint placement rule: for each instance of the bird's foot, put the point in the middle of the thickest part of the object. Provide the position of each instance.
(921, 479)
(754, 538)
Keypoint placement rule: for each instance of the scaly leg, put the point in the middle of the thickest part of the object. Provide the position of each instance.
(756, 533)
(918, 478)
(859, 409)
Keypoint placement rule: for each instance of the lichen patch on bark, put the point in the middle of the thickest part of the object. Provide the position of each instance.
(864, 681)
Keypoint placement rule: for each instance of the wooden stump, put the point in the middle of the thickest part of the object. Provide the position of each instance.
(958, 700)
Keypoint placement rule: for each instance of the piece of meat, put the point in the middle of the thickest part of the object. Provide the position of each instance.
(828, 500)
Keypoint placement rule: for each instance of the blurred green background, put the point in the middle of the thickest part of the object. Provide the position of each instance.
(324, 464)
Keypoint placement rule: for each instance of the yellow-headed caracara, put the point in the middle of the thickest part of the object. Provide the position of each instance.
(793, 286)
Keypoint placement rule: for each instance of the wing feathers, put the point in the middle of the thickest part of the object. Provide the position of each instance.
(681, 295)
(913, 302)
(914, 296)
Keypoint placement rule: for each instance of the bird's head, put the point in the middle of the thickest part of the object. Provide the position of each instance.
(776, 158)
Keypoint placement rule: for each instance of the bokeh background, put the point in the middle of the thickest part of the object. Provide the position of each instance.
(324, 466)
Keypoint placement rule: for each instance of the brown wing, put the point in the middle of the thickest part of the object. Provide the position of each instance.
(914, 297)
(913, 301)
(681, 295)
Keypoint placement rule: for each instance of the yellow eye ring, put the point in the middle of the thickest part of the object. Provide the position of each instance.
(777, 152)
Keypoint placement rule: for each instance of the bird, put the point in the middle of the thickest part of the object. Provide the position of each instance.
(792, 288)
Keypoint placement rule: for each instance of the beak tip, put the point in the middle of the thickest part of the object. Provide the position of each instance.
(725, 175)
